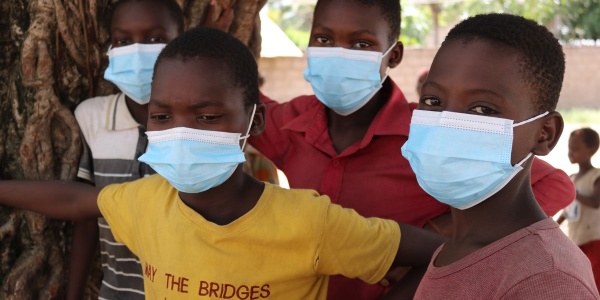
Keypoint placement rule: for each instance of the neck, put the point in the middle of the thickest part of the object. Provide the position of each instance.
(585, 166)
(227, 202)
(511, 209)
(347, 130)
(139, 112)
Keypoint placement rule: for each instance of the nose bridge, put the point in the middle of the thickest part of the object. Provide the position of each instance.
(183, 117)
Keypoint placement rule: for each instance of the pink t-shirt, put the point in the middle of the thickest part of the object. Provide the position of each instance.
(536, 262)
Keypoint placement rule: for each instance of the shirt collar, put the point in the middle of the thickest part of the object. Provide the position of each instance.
(118, 116)
(392, 119)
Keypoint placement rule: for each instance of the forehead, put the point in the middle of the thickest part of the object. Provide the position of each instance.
(196, 80)
(141, 13)
(350, 15)
(482, 65)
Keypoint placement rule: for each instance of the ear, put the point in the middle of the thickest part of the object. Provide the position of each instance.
(396, 55)
(258, 123)
(549, 133)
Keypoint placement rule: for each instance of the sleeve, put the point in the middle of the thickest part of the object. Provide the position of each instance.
(552, 188)
(356, 247)
(551, 285)
(86, 162)
(117, 205)
(272, 142)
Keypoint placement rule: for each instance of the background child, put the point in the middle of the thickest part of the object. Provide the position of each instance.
(113, 129)
(584, 227)
(344, 141)
(204, 227)
(488, 105)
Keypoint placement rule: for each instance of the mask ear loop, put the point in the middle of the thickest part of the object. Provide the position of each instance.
(520, 164)
(387, 69)
(531, 119)
(245, 137)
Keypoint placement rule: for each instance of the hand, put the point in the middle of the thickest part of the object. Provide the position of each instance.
(222, 22)
(393, 275)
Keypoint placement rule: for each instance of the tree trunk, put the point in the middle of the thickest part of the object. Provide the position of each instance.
(52, 56)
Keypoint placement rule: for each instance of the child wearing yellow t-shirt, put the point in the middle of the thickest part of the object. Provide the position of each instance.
(204, 228)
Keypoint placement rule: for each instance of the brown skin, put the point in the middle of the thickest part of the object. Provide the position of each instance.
(133, 22)
(351, 25)
(185, 95)
(482, 77)
(195, 94)
(580, 153)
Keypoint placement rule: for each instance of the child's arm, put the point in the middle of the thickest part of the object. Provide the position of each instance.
(83, 250)
(416, 246)
(592, 200)
(407, 287)
(57, 199)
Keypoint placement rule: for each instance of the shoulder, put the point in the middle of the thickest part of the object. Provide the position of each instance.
(144, 187)
(296, 197)
(554, 284)
(93, 107)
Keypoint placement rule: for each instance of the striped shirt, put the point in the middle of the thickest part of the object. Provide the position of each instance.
(113, 141)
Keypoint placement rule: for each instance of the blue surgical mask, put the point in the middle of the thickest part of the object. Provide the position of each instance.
(343, 79)
(194, 160)
(461, 159)
(131, 67)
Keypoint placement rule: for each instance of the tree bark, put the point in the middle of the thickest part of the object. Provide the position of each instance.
(52, 56)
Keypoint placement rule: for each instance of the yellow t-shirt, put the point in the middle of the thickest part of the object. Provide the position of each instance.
(284, 248)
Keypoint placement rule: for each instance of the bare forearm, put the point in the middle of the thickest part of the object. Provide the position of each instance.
(407, 287)
(416, 246)
(83, 252)
(56, 199)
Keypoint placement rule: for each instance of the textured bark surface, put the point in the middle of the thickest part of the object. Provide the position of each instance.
(51, 58)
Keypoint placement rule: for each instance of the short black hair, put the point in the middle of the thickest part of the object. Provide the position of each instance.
(589, 136)
(204, 42)
(390, 11)
(174, 10)
(542, 58)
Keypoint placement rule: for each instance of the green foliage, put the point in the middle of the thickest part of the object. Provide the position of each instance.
(568, 19)
(416, 24)
(581, 19)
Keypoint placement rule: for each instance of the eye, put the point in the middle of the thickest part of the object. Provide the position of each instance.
(208, 118)
(430, 101)
(361, 45)
(159, 118)
(323, 40)
(483, 110)
(156, 40)
(118, 42)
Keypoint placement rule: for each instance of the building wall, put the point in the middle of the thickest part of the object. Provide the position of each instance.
(581, 88)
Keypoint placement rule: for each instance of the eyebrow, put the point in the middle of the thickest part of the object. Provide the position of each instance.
(198, 104)
(156, 27)
(471, 91)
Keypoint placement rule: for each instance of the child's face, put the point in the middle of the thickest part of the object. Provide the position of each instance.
(142, 22)
(482, 78)
(351, 25)
(198, 94)
(578, 151)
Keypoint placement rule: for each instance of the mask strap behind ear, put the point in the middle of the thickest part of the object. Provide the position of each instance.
(531, 119)
(245, 137)
(390, 49)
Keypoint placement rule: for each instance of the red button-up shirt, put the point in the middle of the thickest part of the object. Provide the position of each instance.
(371, 176)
